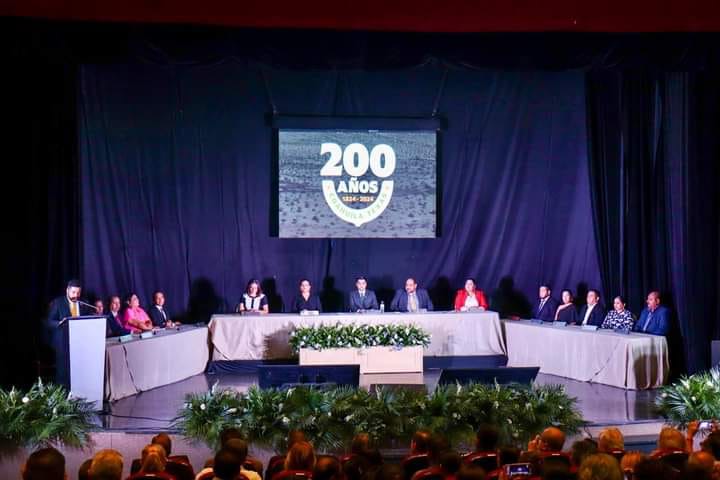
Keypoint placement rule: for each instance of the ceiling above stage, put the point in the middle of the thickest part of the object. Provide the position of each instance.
(393, 15)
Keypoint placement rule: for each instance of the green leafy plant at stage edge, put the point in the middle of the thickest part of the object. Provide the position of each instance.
(358, 336)
(331, 417)
(44, 415)
(696, 397)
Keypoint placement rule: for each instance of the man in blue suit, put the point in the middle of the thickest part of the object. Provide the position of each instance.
(655, 318)
(593, 312)
(361, 298)
(412, 299)
(546, 306)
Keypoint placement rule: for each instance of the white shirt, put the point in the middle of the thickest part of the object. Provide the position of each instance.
(162, 310)
(587, 314)
(471, 301)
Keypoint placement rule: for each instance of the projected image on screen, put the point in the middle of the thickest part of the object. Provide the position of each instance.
(356, 184)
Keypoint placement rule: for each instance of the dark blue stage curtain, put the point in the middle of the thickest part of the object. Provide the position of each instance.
(176, 176)
(654, 149)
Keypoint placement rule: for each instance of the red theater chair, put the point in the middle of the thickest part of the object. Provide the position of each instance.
(488, 461)
(293, 475)
(414, 463)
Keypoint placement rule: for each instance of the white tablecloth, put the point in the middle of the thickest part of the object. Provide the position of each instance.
(635, 361)
(142, 364)
(255, 337)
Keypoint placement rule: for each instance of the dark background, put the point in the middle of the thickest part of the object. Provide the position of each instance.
(138, 157)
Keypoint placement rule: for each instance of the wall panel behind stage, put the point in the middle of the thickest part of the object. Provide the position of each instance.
(176, 175)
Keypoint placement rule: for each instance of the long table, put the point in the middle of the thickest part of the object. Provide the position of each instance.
(264, 337)
(634, 361)
(142, 364)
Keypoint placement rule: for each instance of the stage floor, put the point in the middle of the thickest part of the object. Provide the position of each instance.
(153, 411)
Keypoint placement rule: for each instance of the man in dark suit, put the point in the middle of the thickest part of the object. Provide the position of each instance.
(411, 299)
(592, 313)
(546, 306)
(114, 325)
(361, 298)
(158, 314)
(64, 306)
(654, 318)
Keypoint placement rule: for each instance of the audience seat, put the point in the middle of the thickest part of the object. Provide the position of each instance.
(276, 465)
(488, 461)
(180, 470)
(346, 458)
(293, 475)
(672, 457)
(415, 463)
(152, 476)
(432, 473)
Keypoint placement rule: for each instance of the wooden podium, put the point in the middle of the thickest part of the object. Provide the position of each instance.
(83, 341)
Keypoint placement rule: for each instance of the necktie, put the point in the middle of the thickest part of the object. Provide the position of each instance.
(647, 321)
(163, 314)
(73, 309)
(412, 304)
(542, 303)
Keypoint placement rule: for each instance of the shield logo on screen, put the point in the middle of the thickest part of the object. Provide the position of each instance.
(352, 196)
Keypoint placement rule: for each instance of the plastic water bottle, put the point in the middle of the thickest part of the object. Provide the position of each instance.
(382, 307)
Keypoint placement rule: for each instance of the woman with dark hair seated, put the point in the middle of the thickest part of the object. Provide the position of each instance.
(253, 300)
(566, 312)
(134, 318)
(470, 297)
(619, 316)
(306, 300)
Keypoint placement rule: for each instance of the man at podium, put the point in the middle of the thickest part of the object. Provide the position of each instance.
(68, 305)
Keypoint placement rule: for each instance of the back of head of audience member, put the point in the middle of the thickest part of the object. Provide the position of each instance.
(582, 449)
(106, 465)
(508, 455)
(389, 471)
(301, 456)
(552, 439)
(45, 464)
(164, 440)
(327, 467)
(153, 459)
(450, 462)
(360, 442)
(470, 472)
(439, 444)
(229, 434)
(671, 439)
(711, 444)
(84, 470)
(421, 442)
(701, 462)
(355, 468)
(372, 457)
(557, 472)
(610, 439)
(227, 464)
(652, 469)
(486, 438)
(238, 447)
(629, 460)
(600, 466)
(295, 436)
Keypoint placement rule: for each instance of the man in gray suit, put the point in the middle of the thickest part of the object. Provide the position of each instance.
(361, 298)
(412, 299)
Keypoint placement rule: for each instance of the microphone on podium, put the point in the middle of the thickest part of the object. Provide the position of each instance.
(87, 305)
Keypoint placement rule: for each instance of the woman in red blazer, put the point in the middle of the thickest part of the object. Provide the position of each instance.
(470, 296)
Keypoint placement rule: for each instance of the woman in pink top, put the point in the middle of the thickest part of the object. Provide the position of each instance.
(134, 317)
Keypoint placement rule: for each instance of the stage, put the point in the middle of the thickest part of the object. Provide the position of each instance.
(153, 411)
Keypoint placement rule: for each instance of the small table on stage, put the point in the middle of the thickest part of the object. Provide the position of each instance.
(635, 361)
(143, 364)
(265, 337)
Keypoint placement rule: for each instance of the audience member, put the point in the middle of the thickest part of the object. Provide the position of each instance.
(389, 471)
(153, 459)
(84, 470)
(670, 439)
(629, 460)
(582, 449)
(486, 438)
(301, 456)
(106, 465)
(45, 464)
(327, 467)
(600, 466)
(470, 472)
(652, 469)
(226, 465)
(609, 440)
